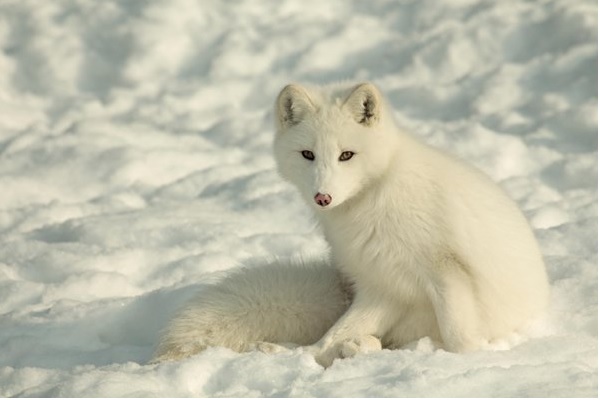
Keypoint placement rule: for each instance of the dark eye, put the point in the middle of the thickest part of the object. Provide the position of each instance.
(308, 154)
(346, 155)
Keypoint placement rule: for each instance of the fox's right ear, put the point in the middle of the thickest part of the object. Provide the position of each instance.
(293, 104)
(364, 104)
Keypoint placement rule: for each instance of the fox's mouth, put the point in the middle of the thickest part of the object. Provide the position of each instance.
(324, 208)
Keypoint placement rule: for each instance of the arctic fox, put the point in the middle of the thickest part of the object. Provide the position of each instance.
(422, 244)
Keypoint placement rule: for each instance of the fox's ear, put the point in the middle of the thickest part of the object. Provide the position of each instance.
(364, 103)
(293, 104)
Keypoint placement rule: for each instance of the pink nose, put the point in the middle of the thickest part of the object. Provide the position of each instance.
(322, 199)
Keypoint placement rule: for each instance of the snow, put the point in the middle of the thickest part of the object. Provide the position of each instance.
(136, 167)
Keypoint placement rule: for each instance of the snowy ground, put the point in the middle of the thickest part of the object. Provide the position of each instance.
(135, 166)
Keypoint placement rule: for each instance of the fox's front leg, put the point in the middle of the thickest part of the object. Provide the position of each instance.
(355, 332)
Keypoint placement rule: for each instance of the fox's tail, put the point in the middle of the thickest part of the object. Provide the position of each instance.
(280, 302)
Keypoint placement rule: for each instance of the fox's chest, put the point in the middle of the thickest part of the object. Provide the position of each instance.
(389, 251)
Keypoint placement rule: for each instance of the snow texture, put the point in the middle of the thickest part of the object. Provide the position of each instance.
(136, 167)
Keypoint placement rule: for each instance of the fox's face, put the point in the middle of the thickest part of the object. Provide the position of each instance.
(331, 146)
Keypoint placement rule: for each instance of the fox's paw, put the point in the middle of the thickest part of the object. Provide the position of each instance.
(362, 345)
(348, 348)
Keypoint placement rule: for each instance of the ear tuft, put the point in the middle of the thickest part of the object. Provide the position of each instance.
(364, 103)
(293, 103)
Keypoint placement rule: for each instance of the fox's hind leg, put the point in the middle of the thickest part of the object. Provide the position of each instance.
(456, 307)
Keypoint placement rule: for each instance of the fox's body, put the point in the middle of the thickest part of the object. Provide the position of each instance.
(430, 245)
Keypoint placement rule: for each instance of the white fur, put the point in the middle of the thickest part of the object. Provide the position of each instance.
(255, 308)
(431, 246)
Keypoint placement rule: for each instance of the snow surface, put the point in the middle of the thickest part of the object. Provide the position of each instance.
(136, 166)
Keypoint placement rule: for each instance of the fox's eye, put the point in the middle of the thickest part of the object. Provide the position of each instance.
(308, 154)
(346, 155)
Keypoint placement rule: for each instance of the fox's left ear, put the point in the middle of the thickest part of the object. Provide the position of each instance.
(365, 104)
(292, 105)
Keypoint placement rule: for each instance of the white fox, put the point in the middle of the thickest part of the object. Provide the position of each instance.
(422, 245)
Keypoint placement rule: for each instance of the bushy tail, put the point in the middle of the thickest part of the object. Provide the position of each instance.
(280, 302)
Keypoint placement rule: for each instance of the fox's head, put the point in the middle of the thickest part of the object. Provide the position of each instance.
(331, 143)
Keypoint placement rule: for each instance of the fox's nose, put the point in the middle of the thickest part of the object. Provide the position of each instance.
(322, 199)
